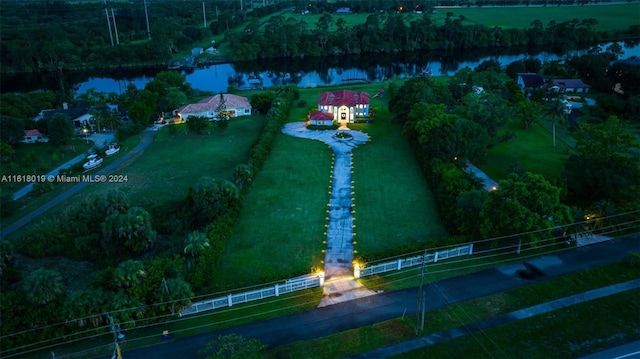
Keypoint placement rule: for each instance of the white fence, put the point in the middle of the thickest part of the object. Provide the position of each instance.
(412, 261)
(291, 285)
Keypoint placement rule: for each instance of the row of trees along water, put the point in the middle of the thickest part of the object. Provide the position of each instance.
(47, 35)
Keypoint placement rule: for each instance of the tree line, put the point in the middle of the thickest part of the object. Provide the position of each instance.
(450, 122)
(59, 35)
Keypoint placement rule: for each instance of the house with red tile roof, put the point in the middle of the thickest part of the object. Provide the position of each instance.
(345, 106)
(33, 136)
(235, 105)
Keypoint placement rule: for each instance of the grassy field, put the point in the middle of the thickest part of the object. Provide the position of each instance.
(560, 330)
(568, 333)
(610, 17)
(532, 149)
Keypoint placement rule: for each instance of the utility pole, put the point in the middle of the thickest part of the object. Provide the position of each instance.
(204, 16)
(146, 15)
(109, 24)
(421, 300)
(115, 28)
(115, 329)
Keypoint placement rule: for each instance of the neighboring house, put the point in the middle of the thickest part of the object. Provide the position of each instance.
(570, 85)
(33, 136)
(343, 10)
(80, 115)
(530, 80)
(319, 118)
(197, 51)
(235, 105)
(535, 81)
(344, 105)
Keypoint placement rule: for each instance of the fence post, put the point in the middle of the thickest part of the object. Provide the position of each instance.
(229, 301)
(471, 248)
(399, 264)
(277, 289)
(435, 257)
(356, 271)
(321, 276)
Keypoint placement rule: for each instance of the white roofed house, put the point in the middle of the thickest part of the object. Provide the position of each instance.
(235, 106)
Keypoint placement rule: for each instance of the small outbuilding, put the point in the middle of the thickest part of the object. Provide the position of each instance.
(33, 136)
(320, 118)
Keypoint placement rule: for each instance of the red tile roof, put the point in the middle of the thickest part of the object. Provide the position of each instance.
(321, 116)
(212, 103)
(34, 133)
(343, 98)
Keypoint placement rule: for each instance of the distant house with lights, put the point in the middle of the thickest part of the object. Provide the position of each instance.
(236, 106)
(344, 106)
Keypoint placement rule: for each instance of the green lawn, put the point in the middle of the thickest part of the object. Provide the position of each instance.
(532, 149)
(610, 17)
(568, 333)
(280, 231)
(394, 206)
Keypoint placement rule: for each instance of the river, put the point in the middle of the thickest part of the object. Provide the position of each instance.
(307, 72)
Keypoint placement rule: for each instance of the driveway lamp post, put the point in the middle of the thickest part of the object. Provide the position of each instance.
(86, 138)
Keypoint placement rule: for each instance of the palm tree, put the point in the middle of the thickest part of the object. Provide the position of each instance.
(129, 273)
(81, 306)
(556, 111)
(175, 294)
(606, 215)
(43, 286)
(196, 243)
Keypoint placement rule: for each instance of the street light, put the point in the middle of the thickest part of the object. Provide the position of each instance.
(85, 135)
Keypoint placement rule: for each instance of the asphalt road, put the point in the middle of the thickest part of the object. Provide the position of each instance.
(380, 307)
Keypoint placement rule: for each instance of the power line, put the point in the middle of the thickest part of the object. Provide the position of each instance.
(613, 228)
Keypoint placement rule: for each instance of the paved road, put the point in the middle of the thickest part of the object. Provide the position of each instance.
(627, 351)
(380, 307)
(146, 140)
(97, 138)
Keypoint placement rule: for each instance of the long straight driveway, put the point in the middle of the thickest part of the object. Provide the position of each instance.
(339, 249)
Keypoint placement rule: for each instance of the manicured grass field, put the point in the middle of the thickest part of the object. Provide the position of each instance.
(610, 17)
(394, 206)
(568, 333)
(532, 149)
(280, 231)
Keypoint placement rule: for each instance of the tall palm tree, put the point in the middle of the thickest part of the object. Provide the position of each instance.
(43, 286)
(556, 111)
